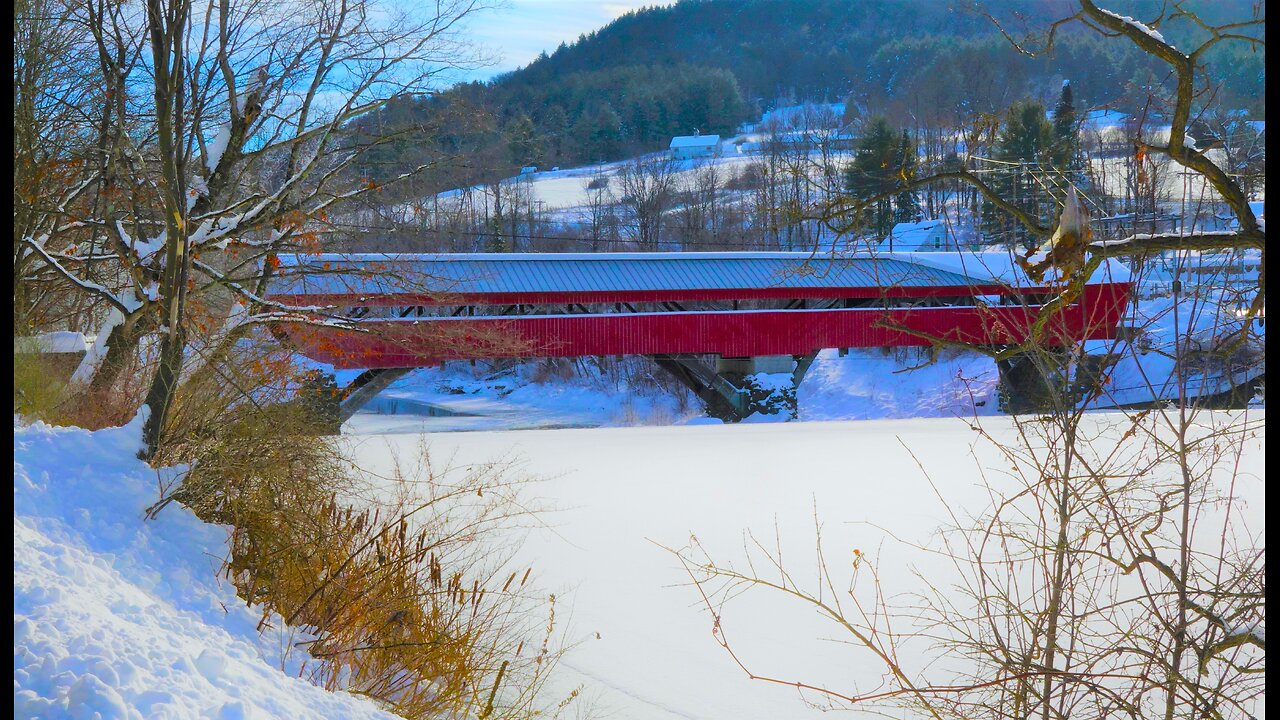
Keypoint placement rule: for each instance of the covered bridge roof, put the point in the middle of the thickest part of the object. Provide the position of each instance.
(574, 277)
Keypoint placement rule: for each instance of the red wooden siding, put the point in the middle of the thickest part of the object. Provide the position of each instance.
(427, 341)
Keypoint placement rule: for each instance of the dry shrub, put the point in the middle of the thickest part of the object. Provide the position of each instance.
(397, 584)
(551, 369)
(749, 178)
(97, 408)
(231, 379)
(41, 391)
(37, 391)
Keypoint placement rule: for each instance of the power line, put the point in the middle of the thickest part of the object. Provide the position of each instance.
(595, 241)
(543, 236)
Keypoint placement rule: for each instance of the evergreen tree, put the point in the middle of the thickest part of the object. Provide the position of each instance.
(1066, 140)
(876, 164)
(907, 203)
(851, 112)
(555, 126)
(523, 144)
(1027, 133)
(1024, 141)
(598, 133)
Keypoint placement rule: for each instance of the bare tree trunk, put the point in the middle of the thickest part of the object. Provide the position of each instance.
(167, 37)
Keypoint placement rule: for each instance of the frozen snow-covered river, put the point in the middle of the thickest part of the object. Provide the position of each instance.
(617, 495)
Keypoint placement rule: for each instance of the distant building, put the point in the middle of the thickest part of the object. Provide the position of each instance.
(924, 236)
(687, 147)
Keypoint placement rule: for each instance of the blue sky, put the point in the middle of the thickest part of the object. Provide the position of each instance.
(524, 28)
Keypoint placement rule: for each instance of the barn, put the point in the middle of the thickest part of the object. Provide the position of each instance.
(689, 147)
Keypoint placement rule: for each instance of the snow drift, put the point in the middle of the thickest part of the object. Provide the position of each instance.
(115, 616)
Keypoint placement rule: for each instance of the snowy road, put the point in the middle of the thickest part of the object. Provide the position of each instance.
(621, 493)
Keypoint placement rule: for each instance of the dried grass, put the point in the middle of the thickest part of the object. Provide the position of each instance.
(37, 391)
(41, 391)
(396, 583)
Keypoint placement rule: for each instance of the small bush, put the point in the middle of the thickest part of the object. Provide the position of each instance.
(238, 380)
(750, 178)
(42, 391)
(551, 369)
(37, 390)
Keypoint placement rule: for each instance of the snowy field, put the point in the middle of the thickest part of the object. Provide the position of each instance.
(644, 644)
(564, 193)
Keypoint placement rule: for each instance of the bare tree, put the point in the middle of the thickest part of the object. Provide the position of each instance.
(1242, 143)
(601, 220)
(647, 188)
(221, 140)
(700, 200)
(45, 124)
(1190, 86)
(1112, 576)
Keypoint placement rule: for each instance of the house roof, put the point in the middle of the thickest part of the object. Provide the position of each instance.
(910, 236)
(692, 141)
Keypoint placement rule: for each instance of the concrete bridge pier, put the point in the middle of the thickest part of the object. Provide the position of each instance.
(1050, 378)
(330, 405)
(738, 387)
(1032, 382)
(365, 387)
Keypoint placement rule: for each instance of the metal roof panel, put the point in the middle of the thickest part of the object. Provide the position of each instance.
(542, 273)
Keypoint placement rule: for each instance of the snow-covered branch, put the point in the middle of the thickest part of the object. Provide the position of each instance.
(1157, 242)
(122, 303)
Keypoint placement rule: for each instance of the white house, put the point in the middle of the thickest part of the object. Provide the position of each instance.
(686, 147)
(925, 236)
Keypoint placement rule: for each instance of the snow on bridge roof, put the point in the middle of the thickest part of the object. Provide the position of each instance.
(514, 273)
(603, 272)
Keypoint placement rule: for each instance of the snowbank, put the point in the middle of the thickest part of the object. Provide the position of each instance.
(870, 384)
(864, 384)
(118, 617)
(460, 397)
(53, 342)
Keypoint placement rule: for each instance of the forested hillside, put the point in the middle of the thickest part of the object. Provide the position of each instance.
(709, 65)
(878, 49)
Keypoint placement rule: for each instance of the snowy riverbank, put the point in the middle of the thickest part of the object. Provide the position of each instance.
(115, 616)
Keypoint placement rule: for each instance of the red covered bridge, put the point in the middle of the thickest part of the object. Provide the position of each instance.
(754, 312)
